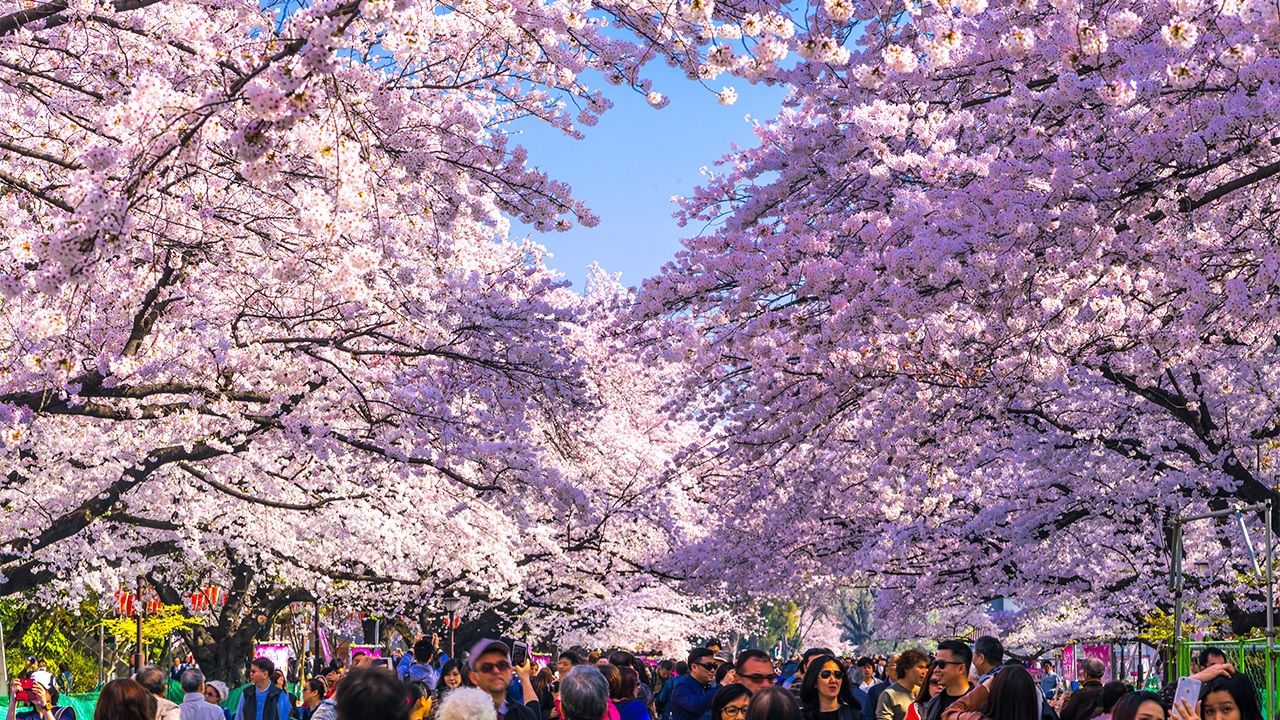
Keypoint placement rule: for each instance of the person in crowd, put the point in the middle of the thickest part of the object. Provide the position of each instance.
(566, 662)
(1134, 705)
(691, 694)
(826, 693)
(371, 693)
(1048, 681)
(421, 700)
(866, 675)
(542, 683)
(754, 669)
(988, 654)
(951, 669)
(156, 682)
(726, 674)
(1210, 656)
(278, 679)
(1111, 692)
(613, 676)
(798, 676)
(417, 666)
(895, 701)
(264, 701)
(774, 703)
(194, 706)
(43, 702)
(450, 677)
(332, 674)
(1229, 696)
(663, 678)
(216, 692)
(489, 668)
(929, 689)
(313, 693)
(123, 699)
(624, 659)
(466, 703)
(627, 696)
(1083, 703)
(584, 693)
(730, 702)
(873, 694)
(1010, 694)
(175, 669)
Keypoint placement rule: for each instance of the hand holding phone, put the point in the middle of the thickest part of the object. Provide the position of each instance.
(519, 653)
(1188, 691)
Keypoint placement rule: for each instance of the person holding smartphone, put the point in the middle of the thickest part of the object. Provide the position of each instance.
(43, 702)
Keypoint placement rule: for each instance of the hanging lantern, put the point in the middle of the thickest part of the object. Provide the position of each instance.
(154, 605)
(199, 601)
(124, 603)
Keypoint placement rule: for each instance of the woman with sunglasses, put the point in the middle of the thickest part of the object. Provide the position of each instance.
(826, 693)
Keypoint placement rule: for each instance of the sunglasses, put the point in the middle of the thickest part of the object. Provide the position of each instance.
(500, 666)
(828, 674)
(708, 666)
(944, 663)
(760, 678)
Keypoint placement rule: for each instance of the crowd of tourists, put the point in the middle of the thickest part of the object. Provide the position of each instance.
(955, 682)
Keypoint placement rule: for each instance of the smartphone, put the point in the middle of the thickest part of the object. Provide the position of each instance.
(1188, 689)
(382, 662)
(519, 653)
(25, 694)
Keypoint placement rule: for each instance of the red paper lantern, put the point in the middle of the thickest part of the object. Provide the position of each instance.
(124, 603)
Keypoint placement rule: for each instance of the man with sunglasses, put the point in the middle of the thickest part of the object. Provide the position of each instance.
(951, 668)
(691, 694)
(490, 669)
(754, 670)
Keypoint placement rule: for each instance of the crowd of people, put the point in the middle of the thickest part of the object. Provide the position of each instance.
(955, 682)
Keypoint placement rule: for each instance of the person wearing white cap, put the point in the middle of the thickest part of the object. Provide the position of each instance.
(194, 706)
(489, 668)
(42, 698)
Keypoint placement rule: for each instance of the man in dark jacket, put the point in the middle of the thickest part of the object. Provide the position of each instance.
(951, 668)
(691, 694)
(1083, 703)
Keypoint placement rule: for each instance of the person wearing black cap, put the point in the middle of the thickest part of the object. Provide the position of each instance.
(489, 668)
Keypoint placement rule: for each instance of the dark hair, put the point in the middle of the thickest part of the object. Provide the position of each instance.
(1126, 708)
(1203, 657)
(668, 665)
(712, 643)
(1241, 689)
(865, 661)
(723, 671)
(371, 693)
(773, 703)
(809, 686)
(318, 685)
(909, 659)
(682, 668)
(629, 685)
(613, 676)
(1111, 692)
(959, 649)
(573, 657)
(726, 695)
(990, 648)
(811, 653)
(453, 664)
(424, 650)
(125, 699)
(696, 654)
(1014, 695)
(621, 658)
(417, 690)
(741, 663)
(264, 664)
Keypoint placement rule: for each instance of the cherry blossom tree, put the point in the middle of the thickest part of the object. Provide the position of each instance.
(991, 300)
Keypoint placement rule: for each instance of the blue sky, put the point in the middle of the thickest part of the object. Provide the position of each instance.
(629, 165)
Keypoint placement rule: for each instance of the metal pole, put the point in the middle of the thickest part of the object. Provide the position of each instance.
(102, 654)
(4, 666)
(1177, 598)
(452, 623)
(138, 660)
(1271, 604)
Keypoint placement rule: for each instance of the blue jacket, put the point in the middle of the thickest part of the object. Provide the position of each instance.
(410, 670)
(690, 699)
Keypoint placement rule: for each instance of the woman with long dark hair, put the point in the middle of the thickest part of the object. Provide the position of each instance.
(630, 705)
(1139, 706)
(125, 699)
(826, 692)
(1010, 694)
(1230, 697)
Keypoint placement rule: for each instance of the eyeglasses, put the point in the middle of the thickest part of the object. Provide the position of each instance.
(500, 666)
(734, 711)
(760, 678)
(944, 663)
(828, 674)
(708, 666)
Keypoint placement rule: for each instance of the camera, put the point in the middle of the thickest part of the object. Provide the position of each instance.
(25, 694)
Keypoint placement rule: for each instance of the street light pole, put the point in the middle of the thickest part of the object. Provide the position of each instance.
(451, 604)
(139, 661)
